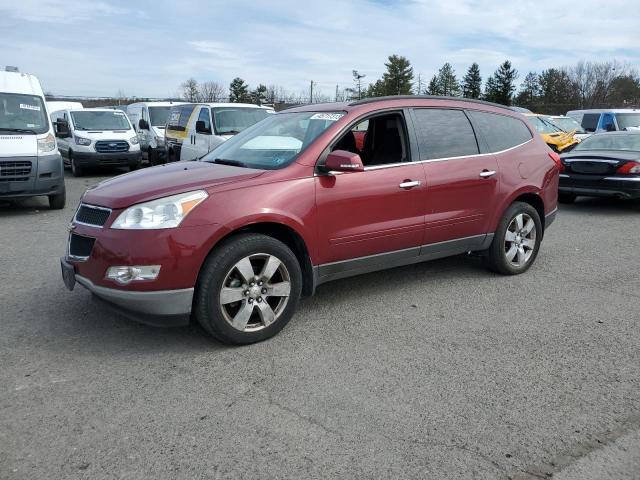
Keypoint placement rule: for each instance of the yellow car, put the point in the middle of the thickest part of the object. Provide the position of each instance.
(556, 138)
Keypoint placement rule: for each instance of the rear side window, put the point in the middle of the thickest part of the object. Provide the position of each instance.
(590, 121)
(501, 132)
(179, 117)
(444, 133)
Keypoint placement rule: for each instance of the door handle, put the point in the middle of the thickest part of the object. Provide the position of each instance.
(487, 173)
(409, 184)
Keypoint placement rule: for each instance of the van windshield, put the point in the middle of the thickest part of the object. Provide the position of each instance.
(159, 116)
(100, 120)
(22, 114)
(232, 120)
(628, 120)
(274, 142)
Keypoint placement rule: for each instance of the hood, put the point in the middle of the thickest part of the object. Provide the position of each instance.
(105, 134)
(18, 145)
(161, 181)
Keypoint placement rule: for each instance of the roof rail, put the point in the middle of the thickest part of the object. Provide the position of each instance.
(364, 101)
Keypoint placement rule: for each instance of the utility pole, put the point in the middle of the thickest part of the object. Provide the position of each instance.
(336, 92)
(311, 93)
(419, 84)
(357, 76)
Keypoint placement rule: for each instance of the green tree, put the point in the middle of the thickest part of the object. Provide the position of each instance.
(447, 82)
(529, 90)
(625, 90)
(556, 88)
(472, 84)
(398, 79)
(239, 91)
(490, 90)
(377, 89)
(434, 88)
(259, 95)
(501, 85)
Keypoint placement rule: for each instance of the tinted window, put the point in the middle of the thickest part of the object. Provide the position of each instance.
(500, 131)
(444, 133)
(179, 117)
(204, 117)
(590, 121)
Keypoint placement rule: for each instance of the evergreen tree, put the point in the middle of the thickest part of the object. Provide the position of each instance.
(447, 82)
(377, 89)
(259, 95)
(472, 85)
(398, 79)
(556, 87)
(434, 88)
(529, 90)
(504, 83)
(490, 90)
(239, 91)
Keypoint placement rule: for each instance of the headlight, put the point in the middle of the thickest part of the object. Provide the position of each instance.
(133, 140)
(83, 141)
(46, 145)
(167, 212)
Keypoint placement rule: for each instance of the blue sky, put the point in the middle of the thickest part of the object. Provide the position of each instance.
(149, 48)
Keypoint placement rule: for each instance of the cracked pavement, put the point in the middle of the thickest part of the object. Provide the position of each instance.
(439, 370)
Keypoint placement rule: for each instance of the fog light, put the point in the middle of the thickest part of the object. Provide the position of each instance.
(127, 274)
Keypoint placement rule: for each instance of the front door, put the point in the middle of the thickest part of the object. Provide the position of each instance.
(379, 210)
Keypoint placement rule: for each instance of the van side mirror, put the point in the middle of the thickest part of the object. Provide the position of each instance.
(201, 127)
(62, 128)
(143, 124)
(343, 161)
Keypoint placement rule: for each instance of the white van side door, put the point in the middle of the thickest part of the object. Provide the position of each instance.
(203, 137)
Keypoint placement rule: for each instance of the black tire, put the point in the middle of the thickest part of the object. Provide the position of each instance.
(497, 254)
(76, 170)
(152, 156)
(59, 200)
(567, 197)
(207, 308)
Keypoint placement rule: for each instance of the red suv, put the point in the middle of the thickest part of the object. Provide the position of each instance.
(234, 240)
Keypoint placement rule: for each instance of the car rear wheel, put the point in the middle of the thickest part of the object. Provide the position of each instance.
(248, 289)
(516, 241)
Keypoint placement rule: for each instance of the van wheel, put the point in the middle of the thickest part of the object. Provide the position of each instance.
(152, 156)
(76, 170)
(516, 241)
(59, 200)
(248, 289)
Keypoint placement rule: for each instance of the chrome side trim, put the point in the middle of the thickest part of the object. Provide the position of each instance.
(628, 179)
(563, 175)
(397, 258)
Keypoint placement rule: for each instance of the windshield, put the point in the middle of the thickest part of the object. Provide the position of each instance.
(158, 116)
(542, 126)
(628, 120)
(567, 124)
(99, 120)
(623, 142)
(22, 113)
(230, 120)
(274, 142)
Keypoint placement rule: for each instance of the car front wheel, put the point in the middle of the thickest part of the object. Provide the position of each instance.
(516, 241)
(248, 289)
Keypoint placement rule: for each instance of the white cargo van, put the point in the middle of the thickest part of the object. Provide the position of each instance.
(149, 120)
(96, 137)
(56, 105)
(212, 123)
(30, 164)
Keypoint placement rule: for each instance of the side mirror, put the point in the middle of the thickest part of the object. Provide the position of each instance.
(62, 129)
(143, 124)
(343, 161)
(201, 127)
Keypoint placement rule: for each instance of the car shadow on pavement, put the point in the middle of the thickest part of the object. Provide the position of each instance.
(603, 205)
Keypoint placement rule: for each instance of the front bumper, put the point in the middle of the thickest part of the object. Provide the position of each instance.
(159, 307)
(600, 186)
(96, 159)
(46, 177)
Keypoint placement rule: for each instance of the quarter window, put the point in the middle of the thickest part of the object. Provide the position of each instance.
(444, 133)
(501, 132)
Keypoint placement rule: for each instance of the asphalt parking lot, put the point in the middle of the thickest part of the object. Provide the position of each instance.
(440, 370)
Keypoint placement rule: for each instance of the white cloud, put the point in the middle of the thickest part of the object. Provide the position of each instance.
(59, 11)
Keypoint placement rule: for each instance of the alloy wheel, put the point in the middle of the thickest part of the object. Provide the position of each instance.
(255, 292)
(520, 240)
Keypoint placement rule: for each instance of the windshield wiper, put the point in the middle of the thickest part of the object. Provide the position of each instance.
(233, 163)
(230, 132)
(18, 130)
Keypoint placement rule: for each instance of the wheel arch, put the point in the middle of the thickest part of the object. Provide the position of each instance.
(535, 201)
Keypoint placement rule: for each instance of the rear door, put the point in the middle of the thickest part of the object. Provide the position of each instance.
(461, 183)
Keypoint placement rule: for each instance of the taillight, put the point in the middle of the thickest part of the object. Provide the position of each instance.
(556, 158)
(629, 167)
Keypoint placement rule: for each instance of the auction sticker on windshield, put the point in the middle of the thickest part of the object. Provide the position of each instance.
(327, 116)
(24, 106)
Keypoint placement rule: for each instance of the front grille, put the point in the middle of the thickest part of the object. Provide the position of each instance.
(90, 215)
(112, 146)
(14, 171)
(80, 247)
